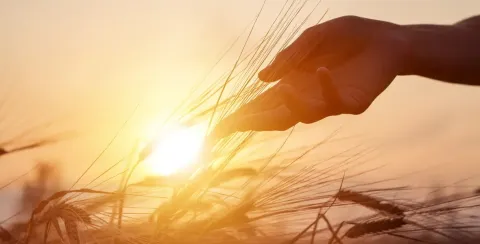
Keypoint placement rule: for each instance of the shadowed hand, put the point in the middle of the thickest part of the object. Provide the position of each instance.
(338, 67)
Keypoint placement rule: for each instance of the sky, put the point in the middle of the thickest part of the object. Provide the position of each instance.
(79, 68)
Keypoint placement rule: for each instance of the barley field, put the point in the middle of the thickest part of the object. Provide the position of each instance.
(180, 183)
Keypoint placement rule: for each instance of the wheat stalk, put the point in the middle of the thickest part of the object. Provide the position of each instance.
(292, 197)
(43, 204)
(369, 202)
(72, 231)
(373, 227)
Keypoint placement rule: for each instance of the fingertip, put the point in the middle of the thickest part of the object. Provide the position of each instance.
(264, 75)
(325, 78)
(223, 128)
(324, 74)
(300, 107)
(305, 109)
(269, 74)
(329, 90)
(217, 133)
(322, 69)
(277, 119)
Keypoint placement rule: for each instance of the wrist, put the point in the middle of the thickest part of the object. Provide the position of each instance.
(397, 43)
(403, 43)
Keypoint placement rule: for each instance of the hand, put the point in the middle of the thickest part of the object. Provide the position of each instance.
(338, 67)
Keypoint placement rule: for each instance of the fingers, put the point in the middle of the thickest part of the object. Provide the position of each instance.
(303, 109)
(292, 56)
(267, 100)
(309, 109)
(240, 120)
(283, 63)
(364, 77)
(293, 107)
(277, 119)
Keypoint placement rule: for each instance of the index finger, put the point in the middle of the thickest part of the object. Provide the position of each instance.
(277, 119)
(292, 56)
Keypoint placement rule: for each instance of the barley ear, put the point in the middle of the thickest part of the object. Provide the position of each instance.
(369, 202)
(72, 231)
(45, 234)
(57, 228)
(232, 174)
(374, 227)
(75, 213)
(5, 235)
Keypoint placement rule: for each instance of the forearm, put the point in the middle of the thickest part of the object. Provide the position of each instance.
(446, 53)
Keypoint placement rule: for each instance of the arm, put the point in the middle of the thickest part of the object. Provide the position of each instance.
(358, 59)
(445, 53)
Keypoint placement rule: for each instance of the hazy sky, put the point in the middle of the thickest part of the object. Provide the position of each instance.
(84, 65)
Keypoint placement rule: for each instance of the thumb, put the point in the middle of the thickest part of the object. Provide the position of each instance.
(330, 92)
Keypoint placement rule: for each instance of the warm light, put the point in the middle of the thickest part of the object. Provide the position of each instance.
(175, 150)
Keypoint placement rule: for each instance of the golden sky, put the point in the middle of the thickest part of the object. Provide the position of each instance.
(86, 64)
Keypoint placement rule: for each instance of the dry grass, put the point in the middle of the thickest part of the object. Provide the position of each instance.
(283, 198)
(372, 227)
(369, 202)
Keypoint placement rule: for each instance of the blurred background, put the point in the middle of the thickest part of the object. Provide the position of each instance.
(80, 70)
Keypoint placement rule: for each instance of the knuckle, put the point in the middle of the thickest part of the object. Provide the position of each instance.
(312, 115)
(357, 102)
(309, 120)
(283, 56)
(357, 108)
(348, 19)
(312, 33)
(310, 30)
(286, 125)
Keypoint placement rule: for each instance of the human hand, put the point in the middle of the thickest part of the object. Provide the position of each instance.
(338, 67)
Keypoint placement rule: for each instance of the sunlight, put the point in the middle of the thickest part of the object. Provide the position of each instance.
(175, 150)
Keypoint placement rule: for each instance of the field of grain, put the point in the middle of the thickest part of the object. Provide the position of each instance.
(243, 188)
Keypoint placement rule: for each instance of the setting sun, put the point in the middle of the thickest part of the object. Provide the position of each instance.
(175, 150)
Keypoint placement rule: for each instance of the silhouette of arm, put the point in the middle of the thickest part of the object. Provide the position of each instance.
(356, 59)
(445, 53)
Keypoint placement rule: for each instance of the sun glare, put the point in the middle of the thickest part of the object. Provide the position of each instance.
(175, 150)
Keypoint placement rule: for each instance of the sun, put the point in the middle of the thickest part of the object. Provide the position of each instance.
(175, 149)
